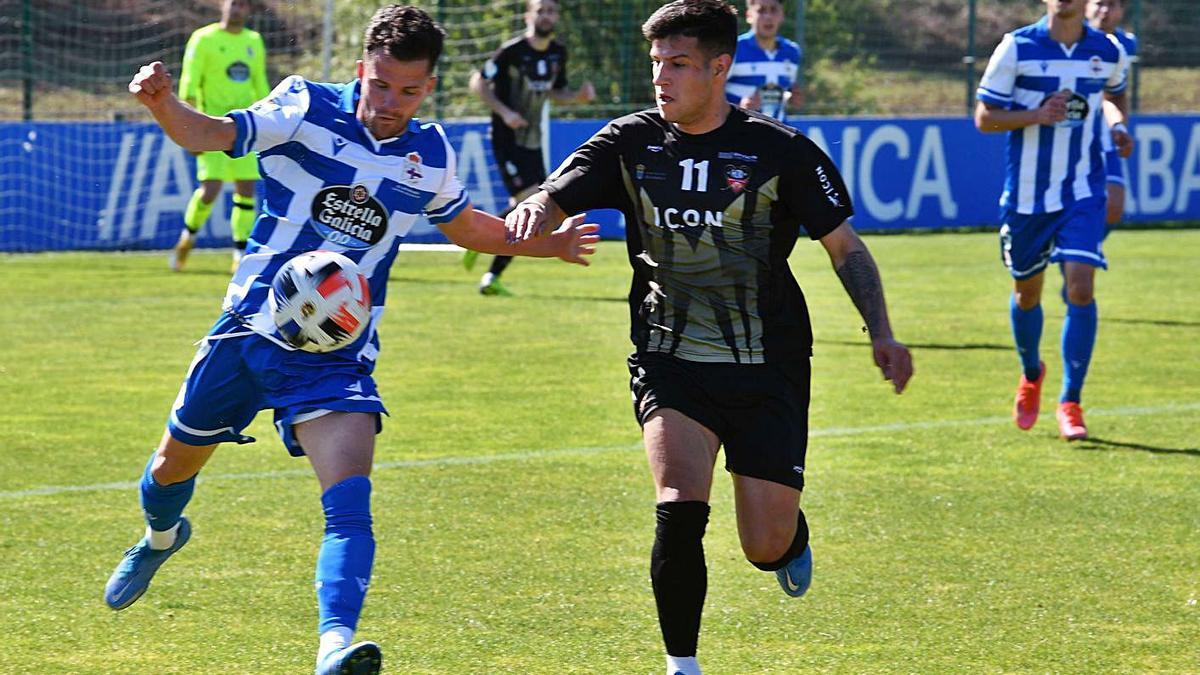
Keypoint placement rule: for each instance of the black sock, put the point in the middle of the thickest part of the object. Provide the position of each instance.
(799, 543)
(239, 245)
(678, 574)
(499, 263)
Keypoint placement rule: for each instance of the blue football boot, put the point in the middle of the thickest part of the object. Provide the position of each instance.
(796, 576)
(360, 658)
(132, 577)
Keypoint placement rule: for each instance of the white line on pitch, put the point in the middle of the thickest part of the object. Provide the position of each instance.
(1131, 411)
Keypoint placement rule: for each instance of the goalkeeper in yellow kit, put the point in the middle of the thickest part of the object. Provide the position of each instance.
(224, 68)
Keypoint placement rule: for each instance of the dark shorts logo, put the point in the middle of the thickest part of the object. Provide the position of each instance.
(238, 72)
(737, 178)
(349, 216)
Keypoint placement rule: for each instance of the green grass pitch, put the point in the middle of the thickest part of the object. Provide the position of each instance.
(514, 512)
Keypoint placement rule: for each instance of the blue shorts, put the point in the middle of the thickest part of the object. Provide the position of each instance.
(1114, 168)
(237, 372)
(1030, 242)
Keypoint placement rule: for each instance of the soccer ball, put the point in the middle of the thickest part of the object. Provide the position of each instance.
(320, 301)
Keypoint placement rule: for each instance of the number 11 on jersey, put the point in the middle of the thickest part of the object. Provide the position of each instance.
(701, 180)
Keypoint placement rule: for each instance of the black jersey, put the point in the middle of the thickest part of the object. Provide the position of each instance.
(522, 78)
(710, 222)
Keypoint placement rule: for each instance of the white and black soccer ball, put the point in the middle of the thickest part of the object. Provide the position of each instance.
(320, 301)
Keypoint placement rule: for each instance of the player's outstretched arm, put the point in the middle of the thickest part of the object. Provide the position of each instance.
(856, 268)
(189, 128)
(534, 215)
(991, 119)
(571, 242)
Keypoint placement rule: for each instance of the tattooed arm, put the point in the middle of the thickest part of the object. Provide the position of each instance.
(860, 277)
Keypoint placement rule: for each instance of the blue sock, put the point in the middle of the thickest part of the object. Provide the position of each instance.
(1027, 332)
(1078, 338)
(347, 551)
(163, 504)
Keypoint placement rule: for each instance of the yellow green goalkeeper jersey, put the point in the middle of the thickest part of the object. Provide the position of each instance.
(224, 71)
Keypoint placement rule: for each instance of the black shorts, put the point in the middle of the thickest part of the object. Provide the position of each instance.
(520, 168)
(759, 412)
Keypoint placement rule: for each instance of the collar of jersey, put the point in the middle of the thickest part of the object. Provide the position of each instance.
(736, 114)
(1043, 31)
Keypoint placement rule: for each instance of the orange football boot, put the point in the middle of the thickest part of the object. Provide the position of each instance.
(1029, 399)
(1070, 421)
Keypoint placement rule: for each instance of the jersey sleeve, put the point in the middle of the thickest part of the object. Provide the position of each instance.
(1000, 78)
(1116, 83)
(451, 197)
(812, 192)
(273, 120)
(258, 72)
(1131, 46)
(495, 67)
(192, 71)
(591, 177)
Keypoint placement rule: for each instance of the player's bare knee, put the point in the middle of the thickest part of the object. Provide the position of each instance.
(209, 191)
(767, 541)
(1027, 300)
(1079, 294)
(171, 469)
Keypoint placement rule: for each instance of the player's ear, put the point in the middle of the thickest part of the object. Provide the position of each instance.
(431, 84)
(358, 69)
(721, 63)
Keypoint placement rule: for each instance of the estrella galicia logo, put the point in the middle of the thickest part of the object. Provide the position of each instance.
(238, 72)
(737, 177)
(1077, 111)
(349, 216)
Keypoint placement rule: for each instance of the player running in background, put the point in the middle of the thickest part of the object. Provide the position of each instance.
(766, 69)
(1107, 15)
(348, 170)
(224, 68)
(715, 198)
(1045, 85)
(515, 84)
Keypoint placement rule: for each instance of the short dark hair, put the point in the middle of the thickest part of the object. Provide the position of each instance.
(407, 33)
(712, 22)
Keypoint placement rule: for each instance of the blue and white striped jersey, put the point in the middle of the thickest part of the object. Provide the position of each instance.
(770, 73)
(1129, 41)
(331, 185)
(1050, 168)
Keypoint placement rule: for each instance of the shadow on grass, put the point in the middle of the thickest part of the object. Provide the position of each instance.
(1101, 444)
(577, 298)
(1157, 322)
(965, 346)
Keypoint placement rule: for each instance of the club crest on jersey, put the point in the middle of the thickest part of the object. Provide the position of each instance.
(639, 171)
(349, 216)
(737, 177)
(1096, 65)
(412, 167)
